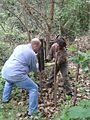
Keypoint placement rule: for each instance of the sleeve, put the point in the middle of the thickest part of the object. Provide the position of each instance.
(50, 55)
(34, 63)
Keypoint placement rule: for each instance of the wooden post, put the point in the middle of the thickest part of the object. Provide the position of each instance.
(41, 57)
(41, 63)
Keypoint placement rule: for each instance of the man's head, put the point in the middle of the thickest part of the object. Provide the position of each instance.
(61, 42)
(36, 44)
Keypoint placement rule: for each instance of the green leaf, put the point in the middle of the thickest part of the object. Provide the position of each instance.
(72, 58)
(77, 62)
(84, 66)
(64, 115)
(76, 112)
(87, 112)
(81, 58)
(84, 103)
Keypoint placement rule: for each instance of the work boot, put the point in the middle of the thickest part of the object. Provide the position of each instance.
(68, 90)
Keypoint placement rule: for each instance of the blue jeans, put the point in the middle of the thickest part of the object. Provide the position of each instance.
(27, 84)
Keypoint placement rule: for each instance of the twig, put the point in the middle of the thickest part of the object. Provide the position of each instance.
(29, 7)
(3, 27)
(75, 90)
(77, 76)
(17, 18)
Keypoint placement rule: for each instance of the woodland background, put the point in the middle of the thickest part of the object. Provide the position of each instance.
(21, 20)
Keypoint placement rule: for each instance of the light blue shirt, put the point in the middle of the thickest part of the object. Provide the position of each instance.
(21, 62)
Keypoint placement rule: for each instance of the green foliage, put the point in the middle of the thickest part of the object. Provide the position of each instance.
(72, 48)
(37, 116)
(74, 17)
(71, 17)
(5, 51)
(84, 103)
(1, 85)
(82, 58)
(79, 112)
(64, 115)
(11, 28)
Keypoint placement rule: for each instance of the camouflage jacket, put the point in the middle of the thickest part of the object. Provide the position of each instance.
(61, 55)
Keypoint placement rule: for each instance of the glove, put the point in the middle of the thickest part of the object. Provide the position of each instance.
(47, 60)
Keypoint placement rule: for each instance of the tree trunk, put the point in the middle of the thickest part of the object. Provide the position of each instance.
(49, 25)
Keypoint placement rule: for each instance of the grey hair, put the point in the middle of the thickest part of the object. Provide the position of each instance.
(36, 40)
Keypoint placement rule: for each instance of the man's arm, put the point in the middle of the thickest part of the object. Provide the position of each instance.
(34, 66)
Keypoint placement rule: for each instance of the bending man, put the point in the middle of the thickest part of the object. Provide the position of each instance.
(16, 69)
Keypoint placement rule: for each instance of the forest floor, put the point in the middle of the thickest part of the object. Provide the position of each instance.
(17, 107)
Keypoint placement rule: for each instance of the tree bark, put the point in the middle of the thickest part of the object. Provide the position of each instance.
(49, 25)
(26, 23)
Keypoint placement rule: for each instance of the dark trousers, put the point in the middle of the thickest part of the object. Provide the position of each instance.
(63, 69)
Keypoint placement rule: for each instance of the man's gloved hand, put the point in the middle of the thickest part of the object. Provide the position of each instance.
(53, 60)
(47, 60)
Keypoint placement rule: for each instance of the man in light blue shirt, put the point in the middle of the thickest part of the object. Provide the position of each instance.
(16, 69)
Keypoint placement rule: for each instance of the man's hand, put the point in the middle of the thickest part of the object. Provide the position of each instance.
(47, 60)
(56, 46)
(53, 60)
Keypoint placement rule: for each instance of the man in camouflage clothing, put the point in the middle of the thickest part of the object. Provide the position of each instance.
(58, 51)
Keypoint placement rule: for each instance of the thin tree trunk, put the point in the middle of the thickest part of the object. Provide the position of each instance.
(26, 23)
(52, 10)
(49, 26)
